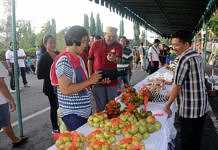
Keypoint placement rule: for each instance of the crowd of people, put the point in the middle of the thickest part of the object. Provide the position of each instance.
(86, 74)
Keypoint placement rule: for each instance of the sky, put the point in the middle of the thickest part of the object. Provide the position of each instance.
(67, 13)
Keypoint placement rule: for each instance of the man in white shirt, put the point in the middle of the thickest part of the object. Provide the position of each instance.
(153, 57)
(9, 55)
(6, 102)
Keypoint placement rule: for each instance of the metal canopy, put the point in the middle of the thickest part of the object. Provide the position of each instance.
(164, 16)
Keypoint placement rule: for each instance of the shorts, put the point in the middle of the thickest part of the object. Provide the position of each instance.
(4, 115)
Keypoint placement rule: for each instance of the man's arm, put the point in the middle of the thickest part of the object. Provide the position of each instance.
(5, 92)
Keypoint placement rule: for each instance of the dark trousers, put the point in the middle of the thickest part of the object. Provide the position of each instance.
(155, 67)
(23, 74)
(73, 121)
(22, 70)
(53, 100)
(12, 80)
(190, 133)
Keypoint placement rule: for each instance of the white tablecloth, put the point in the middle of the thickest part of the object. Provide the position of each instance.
(160, 139)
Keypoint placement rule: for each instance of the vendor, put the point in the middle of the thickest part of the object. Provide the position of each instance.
(189, 91)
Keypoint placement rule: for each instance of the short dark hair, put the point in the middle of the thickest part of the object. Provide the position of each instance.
(183, 35)
(156, 41)
(74, 35)
(141, 43)
(97, 37)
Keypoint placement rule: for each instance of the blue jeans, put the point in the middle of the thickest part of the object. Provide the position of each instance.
(72, 121)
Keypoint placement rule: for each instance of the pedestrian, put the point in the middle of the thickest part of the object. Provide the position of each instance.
(43, 72)
(126, 63)
(69, 74)
(21, 56)
(6, 102)
(153, 57)
(104, 55)
(136, 58)
(189, 91)
(142, 56)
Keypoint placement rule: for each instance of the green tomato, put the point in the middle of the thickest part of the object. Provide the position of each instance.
(157, 125)
(146, 135)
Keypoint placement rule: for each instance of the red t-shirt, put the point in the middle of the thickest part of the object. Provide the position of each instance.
(98, 53)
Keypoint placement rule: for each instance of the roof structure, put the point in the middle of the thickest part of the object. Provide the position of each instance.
(164, 16)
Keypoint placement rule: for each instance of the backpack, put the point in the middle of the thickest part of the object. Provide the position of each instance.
(74, 61)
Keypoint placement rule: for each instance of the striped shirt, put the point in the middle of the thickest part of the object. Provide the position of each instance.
(189, 74)
(127, 57)
(78, 103)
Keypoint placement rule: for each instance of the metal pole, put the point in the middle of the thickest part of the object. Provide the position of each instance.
(16, 70)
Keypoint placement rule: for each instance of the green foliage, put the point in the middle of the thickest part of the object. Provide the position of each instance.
(25, 35)
(48, 28)
(99, 29)
(92, 28)
(121, 28)
(136, 34)
(213, 24)
(60, 43)
(86, 22)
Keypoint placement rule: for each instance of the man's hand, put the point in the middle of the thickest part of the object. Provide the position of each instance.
(167, 109)
(167, 95)
(95, 78)
(12, 105)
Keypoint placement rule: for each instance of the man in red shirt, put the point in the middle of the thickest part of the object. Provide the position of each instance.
(104, 54)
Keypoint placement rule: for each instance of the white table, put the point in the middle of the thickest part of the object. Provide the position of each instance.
(160, 139)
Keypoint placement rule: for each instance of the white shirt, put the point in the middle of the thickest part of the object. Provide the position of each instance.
(3, 74)
(153, 53)
(9, 55)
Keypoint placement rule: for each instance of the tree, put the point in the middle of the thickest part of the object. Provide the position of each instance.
(25, 35)
(121, 28)
(48, 28)
(136, 33)
(60, 42)
(213, 24)
(86, 22)
(99, 30)
(92, 28)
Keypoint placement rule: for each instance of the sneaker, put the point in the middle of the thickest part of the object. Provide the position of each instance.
(12, 91)
(26, 85)
(22, 141)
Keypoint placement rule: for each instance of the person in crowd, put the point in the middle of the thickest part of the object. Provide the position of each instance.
(153, 57)
(69, 74)
(142, 56)
(126, 63)
(163, 54)
(136, 58)
(104, 55)
(43, 72)
(189, 91)
(30, 67)
(6, 102)
(21, 56)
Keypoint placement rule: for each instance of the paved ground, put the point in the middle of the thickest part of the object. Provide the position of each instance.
(37, 125)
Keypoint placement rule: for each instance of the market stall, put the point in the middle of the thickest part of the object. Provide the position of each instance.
(158, 140)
